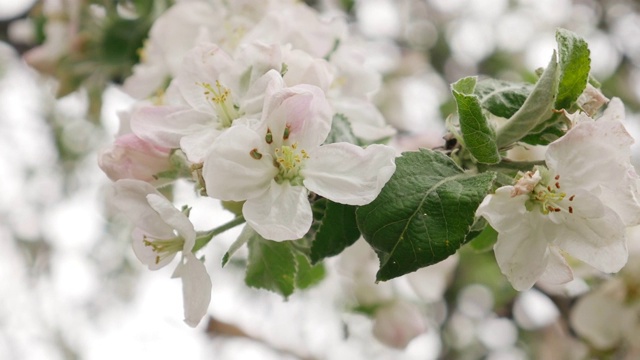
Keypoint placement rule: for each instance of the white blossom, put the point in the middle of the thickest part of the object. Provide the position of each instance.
(161, 231)
(580, 206)
(273, 166)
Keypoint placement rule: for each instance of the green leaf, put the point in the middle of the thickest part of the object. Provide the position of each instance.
(477, 134)
(423, 213)
(341, 131)
(546, 136)
(337, 229)
(243, 238)
(502, 98)
(271, 265)
(308, 275)
(535, 110)
(575, 65)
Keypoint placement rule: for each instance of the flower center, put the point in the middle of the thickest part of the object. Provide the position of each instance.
(220, 98)
(550, 197)
(289, 160)
(164, 247)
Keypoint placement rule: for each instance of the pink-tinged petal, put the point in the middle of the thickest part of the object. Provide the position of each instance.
(599, 242)
(174, 218)
(347, 173)
(145, 253)
(502, 210)
(206, 63)
(557, 271)
(196, 288)
(282, 213)
(166, 125)
(298, 114)
(522, 253)
(129, 197)
(239, 165)
(198, 144)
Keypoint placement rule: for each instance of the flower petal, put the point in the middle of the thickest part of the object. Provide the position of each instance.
(282, 213)
(599, 242)
(174, 218)
(230, 170)
(522, 251)
(206, 63)
(145, 253)
(502, 210)
(197, 145)
(130, 198)
(196, 288)
(304, 111)
(557, 271)
(347, 173)
(166, 125)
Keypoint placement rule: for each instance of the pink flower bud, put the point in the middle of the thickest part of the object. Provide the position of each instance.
(133, 158)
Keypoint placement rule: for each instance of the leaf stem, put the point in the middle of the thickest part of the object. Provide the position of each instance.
(204, 237)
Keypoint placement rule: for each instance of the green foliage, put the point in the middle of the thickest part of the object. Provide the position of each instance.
(271, 265)
(336, 229)
(575, 65)
(535, 110)
(122, 38)
(477, 133)
(307, 274)
(502, 98)
(423, 214)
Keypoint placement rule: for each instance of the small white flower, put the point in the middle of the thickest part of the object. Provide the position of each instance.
(161, 232)
(580, 205)
(273, 166)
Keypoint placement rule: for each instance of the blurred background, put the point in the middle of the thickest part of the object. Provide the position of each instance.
(71, 288)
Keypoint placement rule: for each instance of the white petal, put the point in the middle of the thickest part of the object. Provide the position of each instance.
(557, 271)
(591, 154)
(231, 172)
(145, 253)
(367, 122)
(347, 173)
(205, 64)
(197, 145)
(600, 242)
(253, 101)
(130, 198)
(502, 210)
(522, 253)
(174, 218)
(282, 213)
(196, 288)
(166, 125)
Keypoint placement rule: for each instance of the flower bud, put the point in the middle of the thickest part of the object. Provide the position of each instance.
(133, 158)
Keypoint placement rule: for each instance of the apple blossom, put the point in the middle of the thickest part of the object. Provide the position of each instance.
(274, 165)
(161, 232)
(581, 205)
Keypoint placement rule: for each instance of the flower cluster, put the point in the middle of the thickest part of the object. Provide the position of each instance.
(249, 110)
